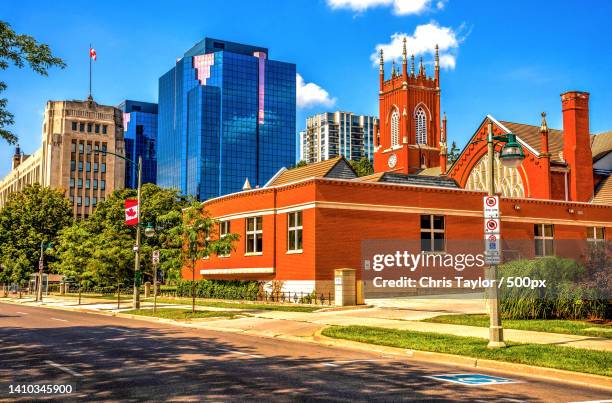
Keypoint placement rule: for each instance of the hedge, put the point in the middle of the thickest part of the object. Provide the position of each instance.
(221, 289)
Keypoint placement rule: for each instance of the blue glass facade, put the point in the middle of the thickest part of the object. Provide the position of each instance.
(226, 113)
(140, 132)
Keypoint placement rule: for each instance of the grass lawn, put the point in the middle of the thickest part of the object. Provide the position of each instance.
(568, 358)
(238, 305)
(576, 327)
(175, 313)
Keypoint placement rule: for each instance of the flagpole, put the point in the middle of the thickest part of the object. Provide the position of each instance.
(90, 71)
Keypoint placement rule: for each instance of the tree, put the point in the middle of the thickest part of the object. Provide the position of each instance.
(199, 236)
(301, 163)
(74, 254)
(363, 167)
(30, 217)
(453, 154)
(19, 50)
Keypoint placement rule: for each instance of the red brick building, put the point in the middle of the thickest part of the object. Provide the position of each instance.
(309, 221)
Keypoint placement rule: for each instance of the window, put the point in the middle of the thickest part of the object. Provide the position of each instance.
(71, 182)
(254, 235)
(104, 129)
(103, 167)
(95, 184)
(224, 229)
(104, 148)
(87, 183)
(80, 166)
(89, 125)
(421, 125)
(80, 183)
(97, 128)
(81, 148)
(294, 231)
(395, 128)
(94, 201)
(73, 165)
(81, 127)
(596, 235)
(432, 233)
(74, 126)
(544, 241)
(88, 148)
(139, 129)
(95, 167)
(102, 184)
(88, 167)
(86, 201)
(79, 200)
(73, 147)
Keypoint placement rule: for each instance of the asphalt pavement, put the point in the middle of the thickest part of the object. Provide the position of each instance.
(117, 359)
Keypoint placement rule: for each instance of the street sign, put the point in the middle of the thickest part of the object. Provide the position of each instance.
(491, 226)
(491, 206)
(155, 257)
(471, 379)
(492, 259)
(492, 244)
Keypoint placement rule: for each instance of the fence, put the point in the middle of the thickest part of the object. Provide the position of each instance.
(265, 296)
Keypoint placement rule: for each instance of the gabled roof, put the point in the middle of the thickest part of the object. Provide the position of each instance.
(603, 192)
(333, 168)
(601, 144)
(531, 135)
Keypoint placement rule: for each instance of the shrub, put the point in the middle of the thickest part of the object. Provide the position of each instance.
(564, 297)
(220, 289)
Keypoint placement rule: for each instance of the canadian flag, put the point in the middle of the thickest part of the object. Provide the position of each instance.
(92, 54)
(131, 212)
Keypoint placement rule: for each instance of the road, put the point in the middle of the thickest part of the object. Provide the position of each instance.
(108, 358)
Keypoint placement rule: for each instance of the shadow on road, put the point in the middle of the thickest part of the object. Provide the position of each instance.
(137, 363)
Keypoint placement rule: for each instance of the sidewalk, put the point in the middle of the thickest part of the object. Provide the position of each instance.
(305, 325)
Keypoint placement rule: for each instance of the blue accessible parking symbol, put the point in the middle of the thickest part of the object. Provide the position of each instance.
(472, 379)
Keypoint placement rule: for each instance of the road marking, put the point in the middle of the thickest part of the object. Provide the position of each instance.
(63, 368)
(240, 353)
(471, 379)
(22, 313)
(118, 329)
(352, 361)
(61, 320)
(330, 364)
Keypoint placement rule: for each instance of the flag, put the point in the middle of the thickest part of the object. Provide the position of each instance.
(131, 212)
(92, 54)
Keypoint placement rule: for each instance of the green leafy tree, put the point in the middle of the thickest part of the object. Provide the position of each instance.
(453, 153)
(74, 254)
(363, 167)
(201, 240)
(18, 50)
(32, 216)
(301, 163)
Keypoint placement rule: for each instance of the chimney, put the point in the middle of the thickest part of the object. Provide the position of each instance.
(577, 144)
(17, 157)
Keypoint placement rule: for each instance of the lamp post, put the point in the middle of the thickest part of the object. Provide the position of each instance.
(149, 233)
(511, 156)
(136, 294)
(44, 246)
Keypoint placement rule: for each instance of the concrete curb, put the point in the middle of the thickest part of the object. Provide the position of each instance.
(416, 355)
(553, 374)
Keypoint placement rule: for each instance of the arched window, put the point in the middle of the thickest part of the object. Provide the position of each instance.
(421, 126)
(395, 128)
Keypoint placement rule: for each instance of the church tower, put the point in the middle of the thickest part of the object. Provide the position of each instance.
(408, 137)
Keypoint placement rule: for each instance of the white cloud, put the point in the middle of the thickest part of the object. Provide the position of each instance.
(310, 94)
(422, 42)
(400, 7)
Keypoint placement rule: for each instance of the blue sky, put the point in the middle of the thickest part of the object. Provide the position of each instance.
(509, 59)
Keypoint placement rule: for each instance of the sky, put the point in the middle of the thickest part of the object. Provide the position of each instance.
(510, 59)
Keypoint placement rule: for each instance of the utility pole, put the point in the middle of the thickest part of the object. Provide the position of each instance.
(137, 274)
(41, 265)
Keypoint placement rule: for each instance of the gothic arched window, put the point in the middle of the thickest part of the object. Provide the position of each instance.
(421, 126)
(395, 128)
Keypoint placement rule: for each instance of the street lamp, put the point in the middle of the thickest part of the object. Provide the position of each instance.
(149, 231)
(44, 247)
(511, 156)
(136, 293)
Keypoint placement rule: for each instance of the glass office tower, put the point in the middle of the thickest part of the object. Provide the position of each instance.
(226, 113)
(140, 132)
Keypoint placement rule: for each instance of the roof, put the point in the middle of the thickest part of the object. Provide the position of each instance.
(317, 169)
(603, 192)
(413, 180)
(530, 134)
(601, 144)
(433, 171)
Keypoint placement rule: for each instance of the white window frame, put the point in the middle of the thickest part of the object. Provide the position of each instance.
(431, 230)
(295, 230)
(420, 119)
(592, 237)
(254, 233)
(395, 118)
(543, 238)
(224, 229)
